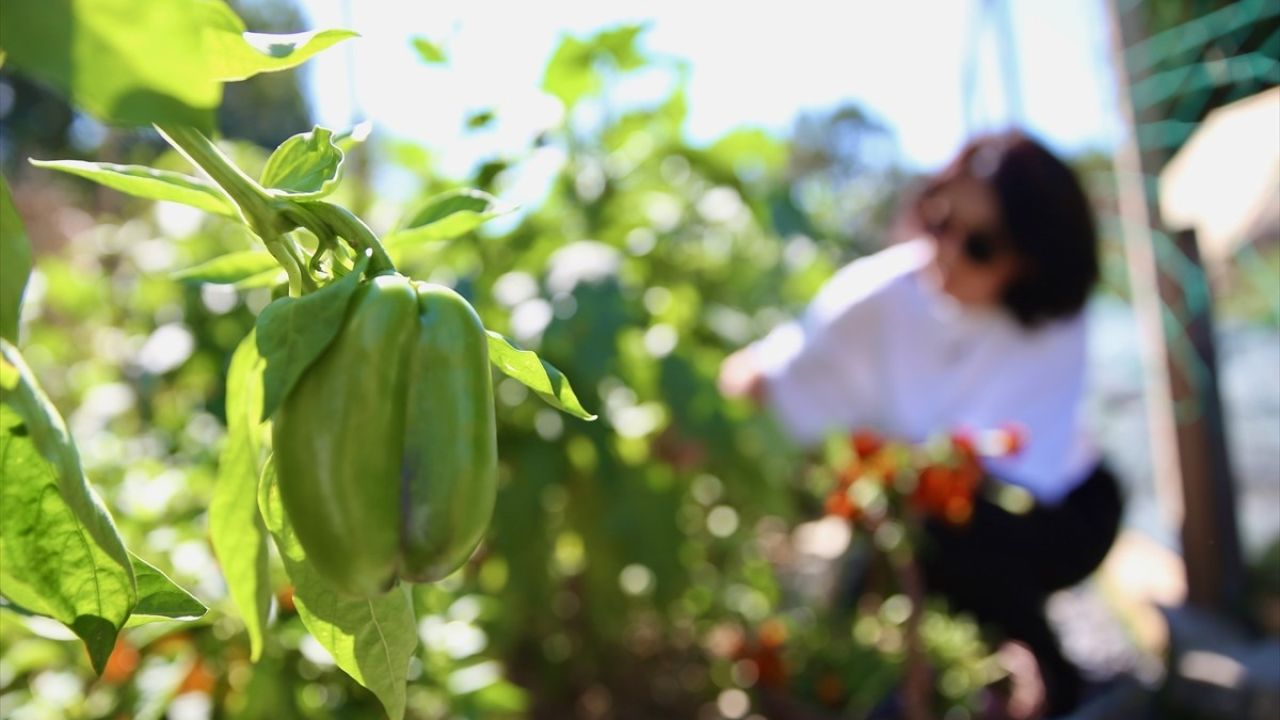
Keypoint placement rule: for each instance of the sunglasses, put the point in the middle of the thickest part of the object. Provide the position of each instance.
(979, 247)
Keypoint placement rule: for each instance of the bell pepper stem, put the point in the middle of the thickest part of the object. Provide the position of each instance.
(256, 206)
(270, 217)
(347, 226)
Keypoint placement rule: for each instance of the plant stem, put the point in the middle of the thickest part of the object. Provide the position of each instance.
(298, 257)
(281, 253)
(256, 207)
(350, 228)
(270, 218)
(254, 202)
(916, 685)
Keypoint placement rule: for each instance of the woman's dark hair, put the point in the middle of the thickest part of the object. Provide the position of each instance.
(1047, 220)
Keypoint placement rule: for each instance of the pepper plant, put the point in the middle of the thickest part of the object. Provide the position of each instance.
(378, 386)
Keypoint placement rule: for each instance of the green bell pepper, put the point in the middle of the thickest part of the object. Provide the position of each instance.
(385, 450)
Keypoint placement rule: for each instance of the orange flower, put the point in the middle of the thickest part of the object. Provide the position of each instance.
(200, 679)
(839, 504)
(947, 492)
(959, 509)
(773, 633)
(122, 663)
(285, 599)
(932, 488)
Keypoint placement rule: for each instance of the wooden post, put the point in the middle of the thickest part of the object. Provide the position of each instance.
(1209, 533)
(1189, 458)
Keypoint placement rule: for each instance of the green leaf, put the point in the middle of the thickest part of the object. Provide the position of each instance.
(447, 216)
(746, 150)
(307, 165)
(235, 526)
(145, 182)
(123, 61)
(477, 120)
(265, 279)
(159, 596)
(293, 332)
(238, 55)
(372, 640)
(15, 265)
(619, 46)
(538, 374)
(134, 63)
(429, 52)
(9, 376)
(570, 75)
(230, 268)
(574, 69)
(60, 554)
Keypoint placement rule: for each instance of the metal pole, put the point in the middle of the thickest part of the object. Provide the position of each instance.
(1008, 60)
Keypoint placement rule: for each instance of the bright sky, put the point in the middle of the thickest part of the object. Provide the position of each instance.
(751, 64)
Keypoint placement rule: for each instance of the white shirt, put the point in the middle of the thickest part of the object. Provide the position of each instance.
(882, 347)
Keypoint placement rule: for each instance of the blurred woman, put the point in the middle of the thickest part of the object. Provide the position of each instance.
(973, 322)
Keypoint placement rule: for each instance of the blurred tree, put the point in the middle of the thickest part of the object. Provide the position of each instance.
(32, 118)
(840, 143)
(845, 174)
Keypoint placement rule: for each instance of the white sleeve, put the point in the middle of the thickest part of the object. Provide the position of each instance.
(807, 381)
(1043, 395)
(820, 373)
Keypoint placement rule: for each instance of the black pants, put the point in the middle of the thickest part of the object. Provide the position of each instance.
(1001, 567)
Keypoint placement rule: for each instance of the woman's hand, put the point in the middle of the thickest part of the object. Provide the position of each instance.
(740, 376)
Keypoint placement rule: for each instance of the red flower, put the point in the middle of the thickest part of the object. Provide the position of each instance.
(866, 443)
(932, 485)
(947, 492)
(963, 443)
